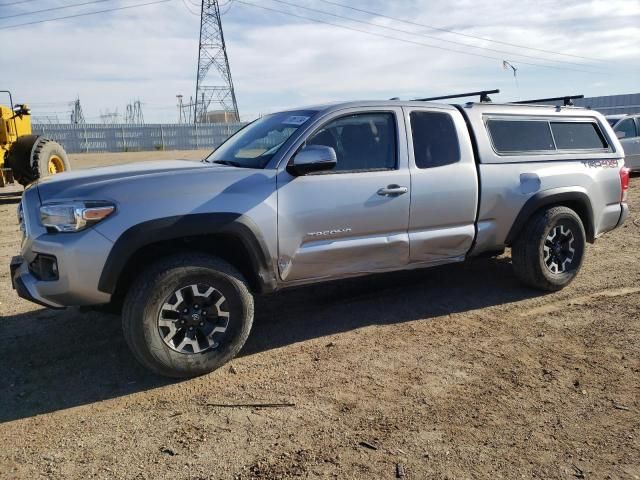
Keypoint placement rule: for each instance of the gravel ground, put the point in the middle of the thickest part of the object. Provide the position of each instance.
(454, 372)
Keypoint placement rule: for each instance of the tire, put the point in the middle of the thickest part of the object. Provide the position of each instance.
(44, 153)
(148, 310)
(19, 158)
(31, 157)
(548, 253)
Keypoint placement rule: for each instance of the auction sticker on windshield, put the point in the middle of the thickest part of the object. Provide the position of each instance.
(296, 120)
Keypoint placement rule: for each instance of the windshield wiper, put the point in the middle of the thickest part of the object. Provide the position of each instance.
(231, 163)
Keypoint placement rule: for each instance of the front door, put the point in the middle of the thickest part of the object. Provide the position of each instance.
(354, 218)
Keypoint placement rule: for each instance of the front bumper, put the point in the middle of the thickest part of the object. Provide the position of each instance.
(79, 259)
(22, 282)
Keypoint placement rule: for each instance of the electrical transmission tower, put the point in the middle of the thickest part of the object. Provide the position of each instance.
(76, 112)
(133, 113)
(109, 118)
(213, 53)
(185, 114)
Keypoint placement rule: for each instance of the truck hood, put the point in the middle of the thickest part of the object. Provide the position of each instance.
(67, 184)
(164, 189)
(125, 182)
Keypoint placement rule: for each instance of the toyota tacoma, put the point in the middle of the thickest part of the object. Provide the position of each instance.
(317, 194)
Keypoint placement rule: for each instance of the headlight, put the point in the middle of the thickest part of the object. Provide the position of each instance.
(74, 216)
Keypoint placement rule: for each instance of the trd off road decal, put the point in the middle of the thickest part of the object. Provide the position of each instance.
(600, 163)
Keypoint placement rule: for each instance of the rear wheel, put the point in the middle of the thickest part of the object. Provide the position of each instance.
(548, 253)
(187, 315)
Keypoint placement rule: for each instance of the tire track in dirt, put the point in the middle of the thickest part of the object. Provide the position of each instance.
(581, 300)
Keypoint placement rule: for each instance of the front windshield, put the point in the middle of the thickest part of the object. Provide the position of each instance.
(258, 142)
(612, 121)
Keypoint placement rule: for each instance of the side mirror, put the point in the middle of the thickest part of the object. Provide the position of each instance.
(313, 158)
(620, 134)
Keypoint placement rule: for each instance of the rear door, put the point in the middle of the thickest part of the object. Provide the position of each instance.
(341, 222)
(444, 185)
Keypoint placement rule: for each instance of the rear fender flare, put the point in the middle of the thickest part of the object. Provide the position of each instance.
(570, 197)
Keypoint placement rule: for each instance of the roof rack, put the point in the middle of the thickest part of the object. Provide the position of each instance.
(568, 100)
(484, 96)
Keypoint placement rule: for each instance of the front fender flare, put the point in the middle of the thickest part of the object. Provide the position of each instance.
(183, 226)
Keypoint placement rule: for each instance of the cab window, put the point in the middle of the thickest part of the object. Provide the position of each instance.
(362, 142)
(515, 136)
(577, 136)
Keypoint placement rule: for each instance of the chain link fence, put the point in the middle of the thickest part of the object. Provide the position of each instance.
(88, 138)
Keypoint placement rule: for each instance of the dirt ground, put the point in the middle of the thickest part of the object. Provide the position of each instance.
(455, 372)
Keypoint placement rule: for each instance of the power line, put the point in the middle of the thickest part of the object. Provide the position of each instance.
(425, 35)
(84, 14)
(15, 3)
(422, 44)
(48, 104)
(54, 8)
(186, 5)
(476, 37)
(229, 4)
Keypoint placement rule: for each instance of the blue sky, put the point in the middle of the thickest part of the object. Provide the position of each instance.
(279, 61)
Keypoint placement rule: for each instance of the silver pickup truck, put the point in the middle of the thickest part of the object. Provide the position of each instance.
(315, 194)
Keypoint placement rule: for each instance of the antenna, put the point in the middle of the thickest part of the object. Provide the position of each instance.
(213, 53)
(508, 65)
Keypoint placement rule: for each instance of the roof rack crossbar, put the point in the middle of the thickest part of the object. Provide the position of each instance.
(568, 100)
(484, 96)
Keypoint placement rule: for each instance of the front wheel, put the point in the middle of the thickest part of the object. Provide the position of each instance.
(187, 315)
(548, 252)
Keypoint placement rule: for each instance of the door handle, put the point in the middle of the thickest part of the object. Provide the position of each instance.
(392, 190)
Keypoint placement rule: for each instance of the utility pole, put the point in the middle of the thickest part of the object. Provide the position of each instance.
(180, 108)
(212, 52)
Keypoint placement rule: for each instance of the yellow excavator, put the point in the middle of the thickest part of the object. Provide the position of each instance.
(25, 157)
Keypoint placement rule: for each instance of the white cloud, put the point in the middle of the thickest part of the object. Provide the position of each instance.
(277, 61)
